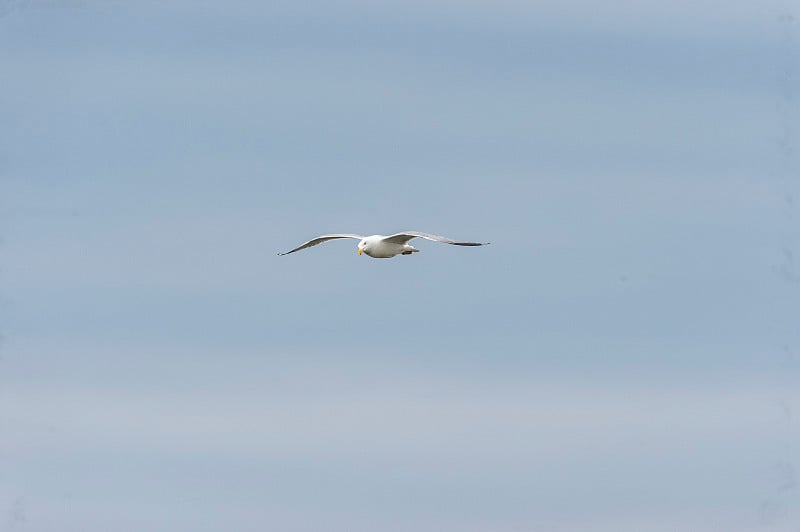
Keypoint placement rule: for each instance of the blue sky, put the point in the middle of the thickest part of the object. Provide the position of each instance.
(624, 356)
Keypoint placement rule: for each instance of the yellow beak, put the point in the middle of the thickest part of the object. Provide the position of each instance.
(360, 251)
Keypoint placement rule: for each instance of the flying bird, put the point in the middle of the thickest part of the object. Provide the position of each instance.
(384, 247)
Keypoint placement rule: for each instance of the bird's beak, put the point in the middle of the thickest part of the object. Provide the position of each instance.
(360, 251)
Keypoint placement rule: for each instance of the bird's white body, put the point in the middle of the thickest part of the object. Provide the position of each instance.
(377, 247)
(383, 247)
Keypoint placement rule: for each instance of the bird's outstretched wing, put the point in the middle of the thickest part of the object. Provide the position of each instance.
(320, 239)
(405, 236)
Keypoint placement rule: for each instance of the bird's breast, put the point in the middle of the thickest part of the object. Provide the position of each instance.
(383, 250)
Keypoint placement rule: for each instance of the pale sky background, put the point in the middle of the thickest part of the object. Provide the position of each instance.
(625, 356)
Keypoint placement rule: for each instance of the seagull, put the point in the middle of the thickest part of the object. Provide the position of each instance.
(384, 247)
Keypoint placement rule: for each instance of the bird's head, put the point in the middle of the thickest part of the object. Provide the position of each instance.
(362, 246)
